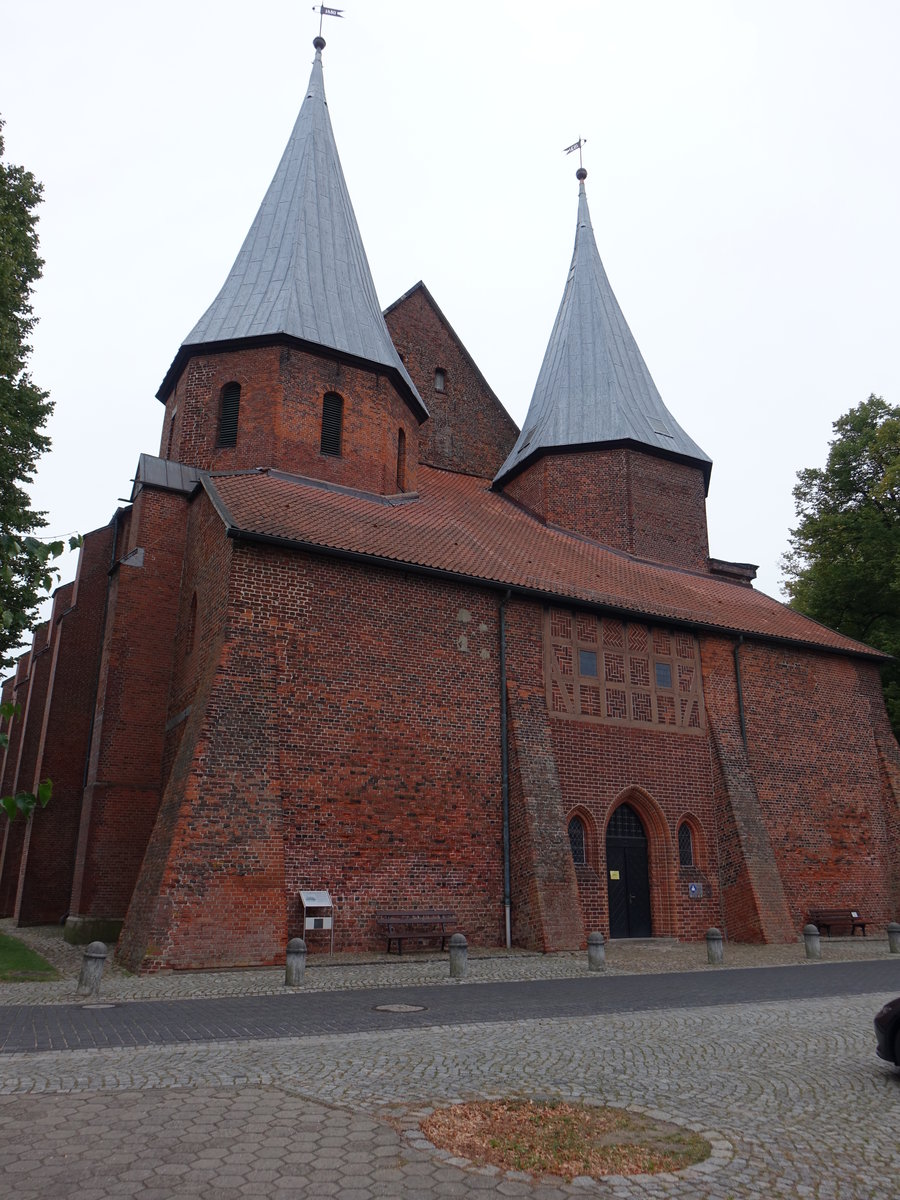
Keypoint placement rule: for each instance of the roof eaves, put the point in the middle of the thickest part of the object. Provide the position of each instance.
(231, 526)
(504, 476)
(186, 352)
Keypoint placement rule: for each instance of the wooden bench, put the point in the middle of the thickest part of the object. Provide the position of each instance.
(415, 925)
(837, 918)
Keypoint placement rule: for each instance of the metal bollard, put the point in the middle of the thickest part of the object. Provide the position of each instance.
(92, 969)
(295, 963)
(596, 952)
(714, 952)
(459, 956)
(893, 932)
(813, 941)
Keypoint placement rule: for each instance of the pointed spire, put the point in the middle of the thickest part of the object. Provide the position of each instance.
(302, 271)
(594, 387)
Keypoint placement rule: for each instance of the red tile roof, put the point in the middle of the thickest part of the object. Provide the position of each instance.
(456, 524)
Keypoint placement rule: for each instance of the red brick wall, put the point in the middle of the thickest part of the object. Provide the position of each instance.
(280, 418)
(156, 930)
(46, 880)
(123, 789)
(666, 777)
(16, 690)
(468, 428)
(545, 910)
(814, 757)
(632, 501)
(344, 736)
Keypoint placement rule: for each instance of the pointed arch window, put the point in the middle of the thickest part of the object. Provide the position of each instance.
(401, 460)
(578, 841)
(332, 424)
(685, 845)
(229, 406)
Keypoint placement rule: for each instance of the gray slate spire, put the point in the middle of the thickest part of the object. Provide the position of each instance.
(594, 387)
(302, 270)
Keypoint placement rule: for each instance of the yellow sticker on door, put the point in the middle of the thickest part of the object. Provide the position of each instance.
(614, 874)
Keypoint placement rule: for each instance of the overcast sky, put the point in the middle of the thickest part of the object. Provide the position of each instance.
(744, 184)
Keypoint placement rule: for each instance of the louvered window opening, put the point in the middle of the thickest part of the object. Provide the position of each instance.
(228, 414)
(332, 424)
(577, 841)
(401, 461)
(625, 823)
(685, 845)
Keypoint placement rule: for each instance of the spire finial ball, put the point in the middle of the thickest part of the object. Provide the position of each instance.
(319, 43)
(581, 174)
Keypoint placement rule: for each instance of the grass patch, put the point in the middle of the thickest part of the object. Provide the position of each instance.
(18, 963)
(557, 1138)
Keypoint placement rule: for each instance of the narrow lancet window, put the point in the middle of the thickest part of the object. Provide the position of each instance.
(578, 841)
(228, 415)
(440, 379)
(401, 460)
(685, 845)
(332, 424)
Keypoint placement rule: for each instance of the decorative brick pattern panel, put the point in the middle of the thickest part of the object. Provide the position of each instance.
(622, 672)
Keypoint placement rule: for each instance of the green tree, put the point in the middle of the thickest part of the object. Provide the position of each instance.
(26, 571)
(843, 567)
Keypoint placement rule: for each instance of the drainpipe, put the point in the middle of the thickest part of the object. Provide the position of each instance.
(740, 689)
(504, 770)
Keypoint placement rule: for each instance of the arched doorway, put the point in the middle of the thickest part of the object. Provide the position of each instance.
(628, 875)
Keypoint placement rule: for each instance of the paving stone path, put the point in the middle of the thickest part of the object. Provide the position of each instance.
(786, 1088)
(789, 1092)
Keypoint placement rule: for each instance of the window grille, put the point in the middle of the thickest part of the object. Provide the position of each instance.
(228, 414)
(332, 424)
(685, 845)
(625, 823)
(577, 841)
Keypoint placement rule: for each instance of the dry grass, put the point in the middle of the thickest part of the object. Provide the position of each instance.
(557, 1138)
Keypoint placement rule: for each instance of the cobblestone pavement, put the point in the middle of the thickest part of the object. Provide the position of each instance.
(790, 1094)
(381, 970)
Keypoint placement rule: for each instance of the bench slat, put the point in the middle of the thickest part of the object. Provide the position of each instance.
(427, 924)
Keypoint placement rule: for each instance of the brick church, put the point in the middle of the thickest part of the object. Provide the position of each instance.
(356, 632)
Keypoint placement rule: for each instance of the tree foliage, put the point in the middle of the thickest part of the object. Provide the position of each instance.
(843, 567)
(26, 571)
(22, 802)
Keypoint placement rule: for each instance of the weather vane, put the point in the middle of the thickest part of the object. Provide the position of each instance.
(576, 146)
(326, 12)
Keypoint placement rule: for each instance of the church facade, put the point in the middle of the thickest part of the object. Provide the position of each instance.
(357, 632)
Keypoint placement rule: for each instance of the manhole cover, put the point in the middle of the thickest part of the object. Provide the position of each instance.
(100, 1004)
(400, 1008)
